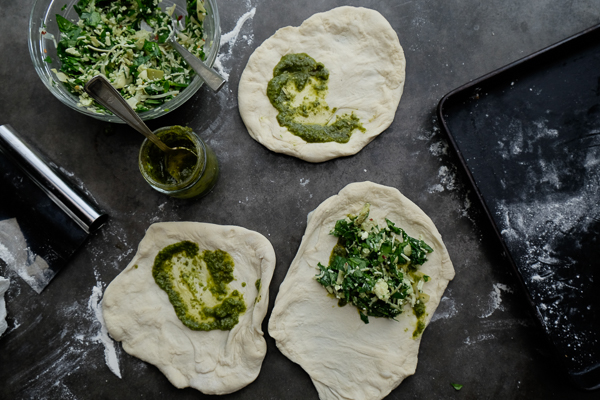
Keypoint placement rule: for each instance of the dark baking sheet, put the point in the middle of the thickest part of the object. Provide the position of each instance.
(528, 136)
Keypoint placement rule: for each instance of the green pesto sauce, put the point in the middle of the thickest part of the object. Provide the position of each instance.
(420, 312)
(308, 117)
(197, 285)
(258, 285)
(339, 250)
(154, 162)
(419, 309)
(420, 328)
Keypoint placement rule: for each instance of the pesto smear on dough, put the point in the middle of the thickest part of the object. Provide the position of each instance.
(376, 269)
(198, 286)
(298, 91)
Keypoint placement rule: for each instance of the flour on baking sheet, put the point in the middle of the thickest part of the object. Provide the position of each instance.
(548, 231)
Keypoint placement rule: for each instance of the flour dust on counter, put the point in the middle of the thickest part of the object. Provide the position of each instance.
(447, 307)
(110, 353)
(75, 346)
(232, 44)
(447, 174)
(495, 300)
(229, 39)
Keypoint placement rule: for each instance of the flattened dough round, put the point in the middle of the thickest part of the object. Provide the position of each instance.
(138, 312)
(345, 358)
(366, 75)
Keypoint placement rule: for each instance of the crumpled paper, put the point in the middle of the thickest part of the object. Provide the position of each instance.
(4, 284)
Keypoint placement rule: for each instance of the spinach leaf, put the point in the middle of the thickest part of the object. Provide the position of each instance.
(93, 18)
(80, 6)
(64, 25)
(151, 49)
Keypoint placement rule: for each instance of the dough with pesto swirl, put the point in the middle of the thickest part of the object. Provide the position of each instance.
(346, 358)
(366, 67)
(138, 312)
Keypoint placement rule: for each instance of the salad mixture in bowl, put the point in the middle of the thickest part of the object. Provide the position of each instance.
(124, 41)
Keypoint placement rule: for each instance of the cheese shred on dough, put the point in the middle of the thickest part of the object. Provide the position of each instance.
(346, 358)
(366, 68)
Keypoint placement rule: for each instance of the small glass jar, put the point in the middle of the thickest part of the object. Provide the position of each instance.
(198, 180)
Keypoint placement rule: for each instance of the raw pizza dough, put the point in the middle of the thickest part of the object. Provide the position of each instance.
(346, 358)
(138, 312)
(366, 75)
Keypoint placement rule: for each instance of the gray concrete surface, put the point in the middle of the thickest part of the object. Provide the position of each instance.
(482, 336)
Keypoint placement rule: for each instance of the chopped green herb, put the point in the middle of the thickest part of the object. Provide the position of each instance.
(63, 8)
(48, 59)
(375, 268)
(456, 386)
(108, 40)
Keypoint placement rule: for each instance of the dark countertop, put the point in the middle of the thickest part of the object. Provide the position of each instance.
(482, 335)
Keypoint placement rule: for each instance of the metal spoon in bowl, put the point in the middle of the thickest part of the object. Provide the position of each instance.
(208, 75)
(103, 92)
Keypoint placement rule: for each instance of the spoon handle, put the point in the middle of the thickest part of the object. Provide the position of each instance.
(208, 75)
(103, 92)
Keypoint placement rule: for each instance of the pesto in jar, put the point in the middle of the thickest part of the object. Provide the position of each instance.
(196, 176)
(155, 160)
(197, 285)
(298, 91)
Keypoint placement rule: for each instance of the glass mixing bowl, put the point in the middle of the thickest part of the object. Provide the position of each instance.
(43, 17)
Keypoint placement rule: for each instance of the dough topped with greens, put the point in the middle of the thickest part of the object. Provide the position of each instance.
(345, 357)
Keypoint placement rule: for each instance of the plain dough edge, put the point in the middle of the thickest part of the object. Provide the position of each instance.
(138, 313)
(282, 323)
(259, 115)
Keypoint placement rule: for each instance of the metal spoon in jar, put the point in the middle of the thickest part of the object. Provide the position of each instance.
(208, 75)
(103, 92)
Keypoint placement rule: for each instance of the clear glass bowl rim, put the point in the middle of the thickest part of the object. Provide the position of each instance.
(61, 93)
